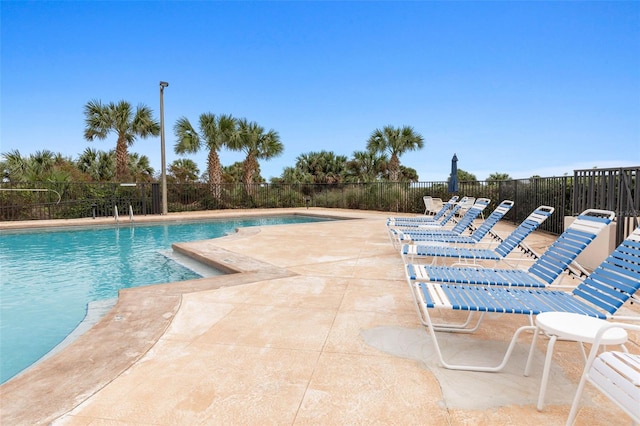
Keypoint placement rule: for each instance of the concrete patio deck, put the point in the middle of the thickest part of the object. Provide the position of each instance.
(316, 326)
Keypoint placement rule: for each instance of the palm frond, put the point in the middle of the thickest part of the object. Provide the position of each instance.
(187, 139)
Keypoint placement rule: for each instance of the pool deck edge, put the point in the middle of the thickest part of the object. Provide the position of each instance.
(129, 330)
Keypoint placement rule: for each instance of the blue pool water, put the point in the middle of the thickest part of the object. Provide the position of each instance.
(47, 278)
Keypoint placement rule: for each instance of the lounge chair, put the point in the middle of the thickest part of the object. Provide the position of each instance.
(465, 204)
(425, 219)
(418, 221)
(410, 252)
(396, 227)
(431, 205)
(396, 224)
(429, 237)
(615, 374)
(545, 270)
(600, 295)
(398, 234)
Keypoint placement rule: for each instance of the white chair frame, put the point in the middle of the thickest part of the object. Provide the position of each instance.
(621, 384)
(431, 205)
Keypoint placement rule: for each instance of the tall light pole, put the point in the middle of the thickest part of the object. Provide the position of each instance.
(165, 209)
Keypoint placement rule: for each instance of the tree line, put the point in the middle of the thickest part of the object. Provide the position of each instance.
(380, 161)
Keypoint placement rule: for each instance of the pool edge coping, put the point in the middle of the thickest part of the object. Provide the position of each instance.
(158, 304)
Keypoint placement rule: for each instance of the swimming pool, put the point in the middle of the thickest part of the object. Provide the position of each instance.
(48, 278)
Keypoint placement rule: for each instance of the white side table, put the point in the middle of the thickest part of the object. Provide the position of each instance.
(569, 326)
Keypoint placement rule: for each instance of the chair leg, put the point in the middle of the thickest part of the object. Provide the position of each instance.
(527, 368)
(545, 372)
(482, 368)
(576, 399)
(463, 327)
(489, 369)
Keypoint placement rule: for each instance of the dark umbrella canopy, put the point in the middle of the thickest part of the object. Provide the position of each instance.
(453, 179)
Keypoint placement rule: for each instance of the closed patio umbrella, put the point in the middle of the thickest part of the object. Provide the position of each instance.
(453, 179)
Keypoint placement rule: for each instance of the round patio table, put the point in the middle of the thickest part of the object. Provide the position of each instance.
(570, 326)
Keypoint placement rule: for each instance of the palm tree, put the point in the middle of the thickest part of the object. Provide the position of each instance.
(215, 132)
(140, 167)
(87, 162)
(293, 175)
(41, 164)
(232, 173)
(99, 165)
(408, 174)
(106, 167)
(102, 119)
(184, 170)
(256, 144)
(395, 142)
(465, 176)
(14, 166)
(494, 177)
(316, 167)
(365, 166)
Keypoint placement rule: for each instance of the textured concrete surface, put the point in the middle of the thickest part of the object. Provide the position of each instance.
(315, 325)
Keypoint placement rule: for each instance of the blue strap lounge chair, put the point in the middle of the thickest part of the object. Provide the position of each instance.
(406, 222)
(437, 218)
(615, 281)
(410, 252)
(542, 273)
(465, 204)
(396, 234)
(449, 236)
(420, 221)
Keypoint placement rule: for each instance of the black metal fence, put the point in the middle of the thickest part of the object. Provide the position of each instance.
(64, 200)
(612, 189)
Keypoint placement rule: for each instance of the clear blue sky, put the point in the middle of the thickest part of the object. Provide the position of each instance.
(516, 87)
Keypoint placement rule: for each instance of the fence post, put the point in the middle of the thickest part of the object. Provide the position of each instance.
(155, 198)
